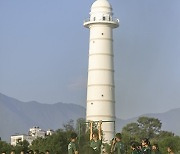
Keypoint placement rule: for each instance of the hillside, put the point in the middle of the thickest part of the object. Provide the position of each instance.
(17, 116)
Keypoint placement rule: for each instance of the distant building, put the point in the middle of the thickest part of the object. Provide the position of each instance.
(49, 132)
(33, 133)
(20, 138)
(37, 132)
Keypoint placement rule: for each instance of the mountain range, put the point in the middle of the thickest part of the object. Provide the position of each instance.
(17, 116)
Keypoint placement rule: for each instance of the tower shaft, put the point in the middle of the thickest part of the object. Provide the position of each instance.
(100, 87)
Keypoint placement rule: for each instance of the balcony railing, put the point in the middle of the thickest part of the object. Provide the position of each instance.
(116, 20)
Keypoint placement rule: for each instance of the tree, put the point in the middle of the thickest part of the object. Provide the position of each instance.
(149, 127)
(56, 143)
(81, 125)
(83, 135)
(173, 141)
(144, 127)
(163, 134)
(132, 129)
(23, 145)
(5, 147)
(69, 126)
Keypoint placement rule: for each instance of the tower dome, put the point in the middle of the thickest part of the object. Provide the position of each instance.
(101, 6)
(101, 3)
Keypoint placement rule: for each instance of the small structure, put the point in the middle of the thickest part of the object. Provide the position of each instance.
(49, 132)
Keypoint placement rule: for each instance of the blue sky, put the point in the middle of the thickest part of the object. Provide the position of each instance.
(44, 53)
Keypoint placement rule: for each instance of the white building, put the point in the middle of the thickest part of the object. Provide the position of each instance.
(37, 132)
(33, 133)
(20, 138)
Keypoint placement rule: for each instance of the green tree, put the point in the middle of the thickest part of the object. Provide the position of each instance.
(149, 127)
(131, 130)
(144, 127)
(5, 147)
(82, 127)
(56, 143)
(38, 144)
(173, 141)
(163, 134)
(24, 145)
(69, 126)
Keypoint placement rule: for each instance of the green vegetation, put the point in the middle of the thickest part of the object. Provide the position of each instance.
(150, 128)
(58, 142)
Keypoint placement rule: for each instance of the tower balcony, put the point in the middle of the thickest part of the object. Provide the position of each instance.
(114, 22)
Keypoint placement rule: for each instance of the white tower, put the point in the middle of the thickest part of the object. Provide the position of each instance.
(100, 87)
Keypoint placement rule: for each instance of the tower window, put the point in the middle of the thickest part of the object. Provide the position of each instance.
(94, 18)
(104, 18)
(102, 33)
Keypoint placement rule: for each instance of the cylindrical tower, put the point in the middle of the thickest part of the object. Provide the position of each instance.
(100, 87)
